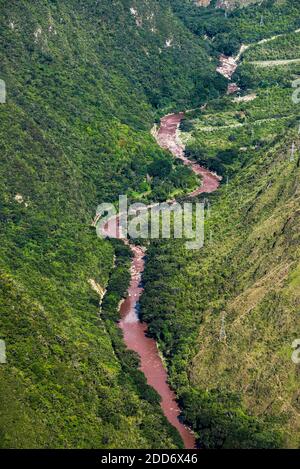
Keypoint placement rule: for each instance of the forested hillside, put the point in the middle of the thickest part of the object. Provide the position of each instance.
(85, 81)
(227, 315)
(225, 30)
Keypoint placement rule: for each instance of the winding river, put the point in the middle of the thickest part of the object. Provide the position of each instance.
(134, 330)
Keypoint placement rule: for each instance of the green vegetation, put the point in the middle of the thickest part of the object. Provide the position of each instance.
(242, 391)
(284, 47)
(245, 25)
(227, 134)
(224, 424)
(245, 269)
(85, 82)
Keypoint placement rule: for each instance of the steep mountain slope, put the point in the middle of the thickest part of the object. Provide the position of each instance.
(224, 31)
(246, 278)
(85, 81)
(227, 315)
(227, 4)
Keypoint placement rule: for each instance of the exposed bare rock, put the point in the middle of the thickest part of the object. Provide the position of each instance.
(2, 352)
(19, 198)
(230, 4)
(226, 4)
(203, 3)
(154, 131)
(233, 88)
(37, 34)
(97, 288)
(138, 19)
(227, 66)
(245, 99)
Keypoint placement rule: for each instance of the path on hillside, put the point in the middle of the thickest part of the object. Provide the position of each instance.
(237, 125)
(228, 65)
(245, 47)
(274, 63)
(134, 331)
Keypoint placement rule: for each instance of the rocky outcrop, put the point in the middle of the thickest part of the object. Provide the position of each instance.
(226, 4)
(2, 352)
(97, 288)
(227, 66)
(203, 3)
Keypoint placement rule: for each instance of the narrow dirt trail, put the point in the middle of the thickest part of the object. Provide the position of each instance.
(134, 331)
(274, 63)
(245, 47)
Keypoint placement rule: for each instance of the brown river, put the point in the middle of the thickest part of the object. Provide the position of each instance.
(134, 330)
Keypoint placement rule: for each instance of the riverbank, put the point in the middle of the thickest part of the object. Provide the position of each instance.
(134, 331)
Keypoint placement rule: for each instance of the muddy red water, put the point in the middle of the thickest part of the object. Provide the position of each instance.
(151, 364)
(168, 138)
(134, 331)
